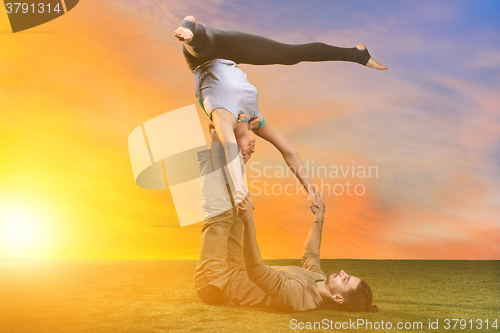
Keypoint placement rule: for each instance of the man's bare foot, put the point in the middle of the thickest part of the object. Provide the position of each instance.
(371, 63)
(183, 34)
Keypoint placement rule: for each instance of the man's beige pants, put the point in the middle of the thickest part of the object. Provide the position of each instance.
(221, 256)
(220, 276)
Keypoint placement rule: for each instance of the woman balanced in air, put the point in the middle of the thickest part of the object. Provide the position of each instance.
(231, 102)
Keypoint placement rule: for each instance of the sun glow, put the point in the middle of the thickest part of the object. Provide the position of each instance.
(20, 228)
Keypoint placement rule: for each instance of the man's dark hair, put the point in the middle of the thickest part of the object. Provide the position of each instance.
(356, 300)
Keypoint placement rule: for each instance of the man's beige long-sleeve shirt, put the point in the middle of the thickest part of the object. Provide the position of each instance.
(288, 288)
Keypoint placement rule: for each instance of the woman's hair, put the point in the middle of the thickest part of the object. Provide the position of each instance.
(357, 300)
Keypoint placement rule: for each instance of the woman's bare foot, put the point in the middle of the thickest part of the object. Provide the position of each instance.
(183, 34)
(371, 63)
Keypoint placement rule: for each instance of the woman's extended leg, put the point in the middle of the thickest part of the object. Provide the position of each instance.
(210, 43)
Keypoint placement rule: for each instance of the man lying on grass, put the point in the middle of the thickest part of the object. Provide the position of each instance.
(231, 274)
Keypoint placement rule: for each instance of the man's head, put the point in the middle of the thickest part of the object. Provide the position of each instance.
(245, 139)
(347, 293)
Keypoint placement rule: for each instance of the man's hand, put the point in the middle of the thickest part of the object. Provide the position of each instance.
(255, 123)
(241, 117)
(252, 124)
(318, 210)
(245, 208)
(313, 240)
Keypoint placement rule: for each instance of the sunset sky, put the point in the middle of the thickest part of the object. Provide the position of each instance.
(73, 89)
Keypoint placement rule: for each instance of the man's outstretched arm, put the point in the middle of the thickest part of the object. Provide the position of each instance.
(313, 239)
(251, 251)
(283, 291)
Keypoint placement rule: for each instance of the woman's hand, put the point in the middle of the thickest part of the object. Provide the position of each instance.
(318, 210)
(240, 195)
(313, 192)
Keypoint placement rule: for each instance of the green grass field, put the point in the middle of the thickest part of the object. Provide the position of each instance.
(158, 296)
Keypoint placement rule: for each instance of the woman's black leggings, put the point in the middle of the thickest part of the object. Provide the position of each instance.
(211, 43)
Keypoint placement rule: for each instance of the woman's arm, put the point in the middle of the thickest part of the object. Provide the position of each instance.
(224, 123)
(290, 155)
